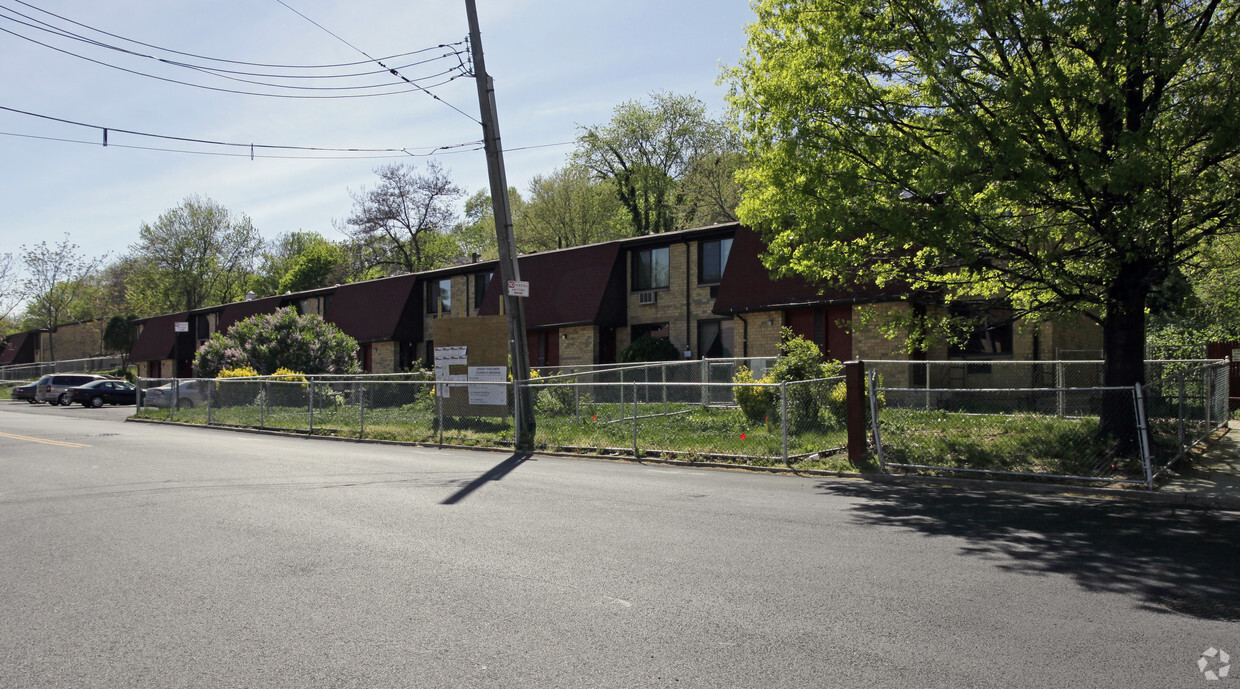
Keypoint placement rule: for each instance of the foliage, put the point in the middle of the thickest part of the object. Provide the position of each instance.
(55, 280)
(10, 294)
(239, 372)
(569, 208)
(476, 233)
(647, 348)
(280, 341)
(194, 255)
(318, 265)
(119, 335)
(402, 224)
(1066, 156)
(756, 403)
(646, 151)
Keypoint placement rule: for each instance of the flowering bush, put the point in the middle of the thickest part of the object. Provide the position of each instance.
(284, 339)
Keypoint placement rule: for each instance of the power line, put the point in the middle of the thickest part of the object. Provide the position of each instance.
(443, 150)
(214, 59)
(393, 71)
(416, 87)
(223, 72)
(208, 142)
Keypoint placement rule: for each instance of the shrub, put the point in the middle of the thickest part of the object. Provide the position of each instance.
(283, 339)
(236, 393)
(647, 348)
(756, 403)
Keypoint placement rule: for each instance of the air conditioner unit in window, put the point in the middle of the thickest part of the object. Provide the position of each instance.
(644, 298)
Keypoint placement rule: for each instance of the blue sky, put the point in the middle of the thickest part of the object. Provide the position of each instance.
(557, 64)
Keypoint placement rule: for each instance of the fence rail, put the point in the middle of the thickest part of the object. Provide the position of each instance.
(792, 423)
(36, 370)
(1061, 429)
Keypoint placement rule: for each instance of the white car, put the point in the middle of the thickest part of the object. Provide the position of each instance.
(187, 395)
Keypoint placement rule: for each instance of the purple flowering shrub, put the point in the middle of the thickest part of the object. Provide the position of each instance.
(284, 339)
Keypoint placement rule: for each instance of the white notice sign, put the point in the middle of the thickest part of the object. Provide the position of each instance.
(180, 327)
(495, 392)
(518, 288)
(449, 356)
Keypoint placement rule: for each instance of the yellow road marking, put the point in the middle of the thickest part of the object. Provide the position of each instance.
(45, 441)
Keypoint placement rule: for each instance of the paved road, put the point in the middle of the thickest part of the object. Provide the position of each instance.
(141, 555)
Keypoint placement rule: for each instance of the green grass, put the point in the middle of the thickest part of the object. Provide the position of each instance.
(687, 432)
(1026, 443)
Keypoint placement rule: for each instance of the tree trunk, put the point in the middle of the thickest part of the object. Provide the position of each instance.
(1123, 344)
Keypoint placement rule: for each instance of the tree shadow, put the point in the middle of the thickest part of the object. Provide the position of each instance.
(1170, 559)
(495, 473)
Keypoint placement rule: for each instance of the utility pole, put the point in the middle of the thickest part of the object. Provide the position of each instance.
(523, 399)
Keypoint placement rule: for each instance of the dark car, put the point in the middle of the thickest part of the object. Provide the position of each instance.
(100, 392)
(25, 392)
(54, 389)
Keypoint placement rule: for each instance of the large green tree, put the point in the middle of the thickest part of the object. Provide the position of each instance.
(194, 255)
(648, 150)
(1066, 156)
(568, 207)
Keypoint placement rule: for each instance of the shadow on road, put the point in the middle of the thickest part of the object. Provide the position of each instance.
(1180, 560)
(495, 473)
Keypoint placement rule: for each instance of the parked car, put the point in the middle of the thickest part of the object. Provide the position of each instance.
(100, 392)
(25, 392)
(54, 389)
(187, 395)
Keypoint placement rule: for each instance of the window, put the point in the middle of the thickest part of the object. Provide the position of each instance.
(712, 258)
(439, 297)
(481, 280)
(991, 335)
(715, 339)
(651, 269)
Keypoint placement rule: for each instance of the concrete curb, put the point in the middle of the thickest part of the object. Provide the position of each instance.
(1173, 499)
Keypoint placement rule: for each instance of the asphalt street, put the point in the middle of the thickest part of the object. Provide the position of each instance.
(141, 555)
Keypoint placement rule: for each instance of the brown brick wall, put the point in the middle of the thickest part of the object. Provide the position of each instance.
(383, 357)
(764, 333)
(579, 345)
(671, 302)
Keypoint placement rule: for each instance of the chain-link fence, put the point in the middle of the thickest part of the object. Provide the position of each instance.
(1185, 401)
(1046, 419)
(34, 371)
(751, 423)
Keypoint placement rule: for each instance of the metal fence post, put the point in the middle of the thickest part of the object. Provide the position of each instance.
(1059, 383)
(783, 416)
(211, 392)
(928, 386)
(634, 418)
(1209, 400)
(361, 409)
(176, 399)
(1143, 435)
(705, 373)
(262, 405)
(311, 405)
(872, 389)
(1181, 448)
(440, 389)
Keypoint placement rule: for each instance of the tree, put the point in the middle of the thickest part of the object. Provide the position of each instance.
(1066, 157)
(319, 265)
(569, 208)
(10, 293)
(55, 280)
(194, 255)
(278, 257)
(119, 335)
(403, 222)
(476, 233)
(647, 151)
(284, 339)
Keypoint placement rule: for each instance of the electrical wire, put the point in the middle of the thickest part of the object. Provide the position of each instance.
(416, 87)
(208, 142)
(445, 150)
(369, 60)
(39, 25)
(393, 71)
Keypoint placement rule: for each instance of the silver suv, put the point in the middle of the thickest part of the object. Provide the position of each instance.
(53, 389)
